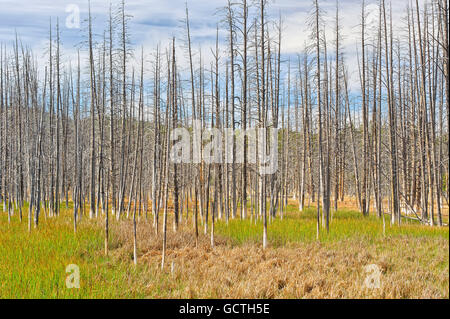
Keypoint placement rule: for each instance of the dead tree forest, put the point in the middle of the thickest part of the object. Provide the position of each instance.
(97, 132)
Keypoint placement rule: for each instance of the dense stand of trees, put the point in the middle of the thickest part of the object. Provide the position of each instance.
(99, 133)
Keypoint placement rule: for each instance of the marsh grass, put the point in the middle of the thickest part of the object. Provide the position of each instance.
(414, 259)
(301, 227)
(33, 264)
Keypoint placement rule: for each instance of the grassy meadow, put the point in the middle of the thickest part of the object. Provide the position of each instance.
(413, 259)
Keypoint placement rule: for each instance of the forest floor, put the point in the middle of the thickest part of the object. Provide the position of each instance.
(412, 260)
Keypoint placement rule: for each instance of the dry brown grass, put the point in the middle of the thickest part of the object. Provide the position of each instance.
(411, 267)
(351, 202)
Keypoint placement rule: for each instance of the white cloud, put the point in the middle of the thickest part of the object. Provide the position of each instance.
(157, 21)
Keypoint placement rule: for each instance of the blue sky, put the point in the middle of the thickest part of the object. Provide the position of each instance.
(156, 21)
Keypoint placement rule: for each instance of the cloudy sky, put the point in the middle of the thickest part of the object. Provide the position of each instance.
(156, 21)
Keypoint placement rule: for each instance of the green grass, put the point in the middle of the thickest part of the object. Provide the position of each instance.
(33, 265)
(302, 227)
